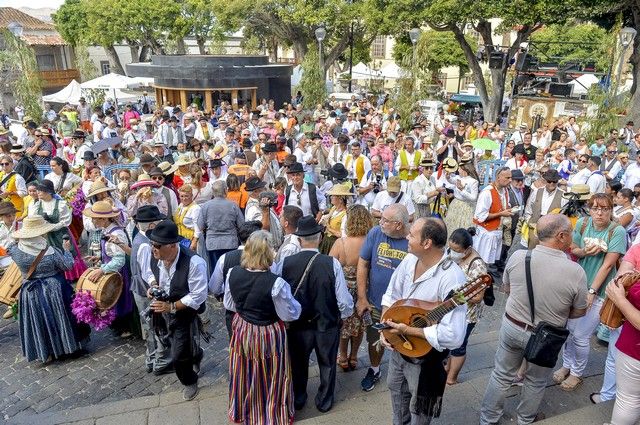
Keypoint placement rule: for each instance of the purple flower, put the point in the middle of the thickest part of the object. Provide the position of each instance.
(86, 310)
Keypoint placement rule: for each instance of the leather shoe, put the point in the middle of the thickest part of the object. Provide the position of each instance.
(163, 371)
(149, 368)
(190, 392)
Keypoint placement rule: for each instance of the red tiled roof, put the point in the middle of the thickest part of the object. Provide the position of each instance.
(43, 40)
(9, 14)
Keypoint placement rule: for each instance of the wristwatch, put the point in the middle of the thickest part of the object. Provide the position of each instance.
(592, 291)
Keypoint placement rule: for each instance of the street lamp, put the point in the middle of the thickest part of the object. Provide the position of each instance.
(414, 35)
(321, 33)
(627, 34)
(15, 28)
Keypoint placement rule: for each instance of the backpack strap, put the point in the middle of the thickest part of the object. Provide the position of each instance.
(585, 221)
(313, 199)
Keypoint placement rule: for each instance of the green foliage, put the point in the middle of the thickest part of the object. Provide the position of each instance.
(84, 64)
(572, 42)
(434, 50)
(312, 83)
(19, 70)
(607, 112)
(71, 21)
(251, 45)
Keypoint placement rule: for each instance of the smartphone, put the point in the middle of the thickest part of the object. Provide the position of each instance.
(380, 326)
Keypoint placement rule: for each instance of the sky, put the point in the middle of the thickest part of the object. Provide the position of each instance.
(34, 4)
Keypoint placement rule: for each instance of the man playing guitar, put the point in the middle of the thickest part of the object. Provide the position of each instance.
(426, 274)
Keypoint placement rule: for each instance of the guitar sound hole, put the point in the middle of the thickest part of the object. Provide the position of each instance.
(418, 321)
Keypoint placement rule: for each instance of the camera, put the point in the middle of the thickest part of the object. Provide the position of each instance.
(158, 294)
(376, 184)
(272, 198)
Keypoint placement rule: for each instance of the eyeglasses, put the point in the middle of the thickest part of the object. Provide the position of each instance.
(299, 199)
(600, 209)
(4, 164)
(386, 220)
(612, 151)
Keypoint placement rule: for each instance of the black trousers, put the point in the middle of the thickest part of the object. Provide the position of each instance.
(325, 344)
(185, 346)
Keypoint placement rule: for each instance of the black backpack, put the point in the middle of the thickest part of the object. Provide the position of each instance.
(27, 169)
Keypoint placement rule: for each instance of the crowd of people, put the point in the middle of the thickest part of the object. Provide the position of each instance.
(308, 226)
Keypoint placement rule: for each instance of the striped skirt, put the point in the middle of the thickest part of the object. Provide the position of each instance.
(260, 386)
(47, 326)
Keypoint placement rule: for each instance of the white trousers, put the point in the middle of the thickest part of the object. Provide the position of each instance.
(626, 411)
(576, 350)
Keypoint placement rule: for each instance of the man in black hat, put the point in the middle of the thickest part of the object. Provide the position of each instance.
(78, 149)
(318, 284)
(302, 194)
(216, 172)
(158, 353)
(161, 153)
(147, 162)
(260, 207)
(339, 151)
(157, 175)
(337, 174)
(266, 166)
(23, 164)
(182, 275)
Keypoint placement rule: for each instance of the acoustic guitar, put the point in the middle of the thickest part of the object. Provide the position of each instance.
(421, 314)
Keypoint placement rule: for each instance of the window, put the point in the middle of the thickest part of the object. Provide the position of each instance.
(105, 67)
(467, 80)
(46, 62)
(442, 78)
(378, 47)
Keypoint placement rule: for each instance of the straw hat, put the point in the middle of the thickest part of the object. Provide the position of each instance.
(340, 190)
(101, 209)
(450, 165)
(184, 160)
(99, 186)
(167, 167)
(144, 180)
(466, 158)
(578, 192)
(218, 152)
(33, 226)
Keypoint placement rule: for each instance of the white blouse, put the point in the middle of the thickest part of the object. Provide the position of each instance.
(190, 219)
(70, 181)
(64, 217)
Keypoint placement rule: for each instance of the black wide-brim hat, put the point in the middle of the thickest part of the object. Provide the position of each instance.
(338, 171)
(165, 233)
(148, 214)
(308, 226)
(45, 186)
(270, 147)
(254, 183)
(89, 156)
(296, 167)
(78, 134)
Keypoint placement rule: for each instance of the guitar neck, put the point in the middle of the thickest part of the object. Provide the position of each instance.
(436, 315)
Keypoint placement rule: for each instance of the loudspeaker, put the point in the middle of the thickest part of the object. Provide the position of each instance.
(560, 89)
(496, 60)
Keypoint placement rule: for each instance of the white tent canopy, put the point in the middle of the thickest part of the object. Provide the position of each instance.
(296, 75)
(392, 71)
(112, 81)
(583, 82)
(70, 94)
(363, 72)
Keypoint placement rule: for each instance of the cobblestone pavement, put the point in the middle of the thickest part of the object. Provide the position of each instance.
(113, 370)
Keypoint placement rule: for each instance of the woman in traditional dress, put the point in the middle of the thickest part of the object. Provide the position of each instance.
(186, 171)
(462, 253)
(186, 217)
(66, 184)
(57, 212)
(347, 251)
(260, 385)
(336, 219)
(113, 260)
(465, 193)
(48, 329)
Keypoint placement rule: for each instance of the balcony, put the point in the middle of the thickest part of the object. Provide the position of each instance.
(59, 78)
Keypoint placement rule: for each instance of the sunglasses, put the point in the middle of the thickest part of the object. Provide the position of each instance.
(583, 161)
(157, 178)
(5, 163)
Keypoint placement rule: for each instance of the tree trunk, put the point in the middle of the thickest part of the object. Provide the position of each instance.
(114, 61)
(634, 104)
(300, 48)
(272, 48)
(201, 45)
(145, 54)
(134, 48)
(181, 46)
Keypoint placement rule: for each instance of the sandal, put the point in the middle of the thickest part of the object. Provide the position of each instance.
(560, 375)
(343, 363)
(571, 383)
(353, 363)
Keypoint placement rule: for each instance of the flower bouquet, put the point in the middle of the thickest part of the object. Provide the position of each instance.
(86, 310)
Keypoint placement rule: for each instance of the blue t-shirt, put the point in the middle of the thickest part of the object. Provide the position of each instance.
(384, 254)
(597, 150)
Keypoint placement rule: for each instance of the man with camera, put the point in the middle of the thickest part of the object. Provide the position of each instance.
(158, 354)
(182, 276)
(393, 195)
(372, 182)
(559, 296)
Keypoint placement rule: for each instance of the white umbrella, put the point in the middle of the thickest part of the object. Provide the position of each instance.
(363, 72)
(111, 81)
(392, 71)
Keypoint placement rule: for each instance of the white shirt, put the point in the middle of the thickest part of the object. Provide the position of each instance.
(70, 181)
(302, 156)
(511, 163)
(197, 279)
(580, 177)
(410, 160)
(433, 285)
(351, 126)
(469, 191)
(109, 132)
(216, 283)
(336, 155)
(290, 246)
(301, 199)
(97, 130)
(615, 168)
(484, 203)
(420, 187)
(144, 262)
(597, 182)
(383, 200)
(547, 198)
(631, 176)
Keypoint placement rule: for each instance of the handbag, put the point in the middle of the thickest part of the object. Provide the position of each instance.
(546, 340)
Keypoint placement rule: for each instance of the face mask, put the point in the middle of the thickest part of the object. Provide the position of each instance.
(456, 256)
(134, 127)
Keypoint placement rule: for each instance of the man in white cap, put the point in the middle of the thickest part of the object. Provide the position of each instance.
(518, 135)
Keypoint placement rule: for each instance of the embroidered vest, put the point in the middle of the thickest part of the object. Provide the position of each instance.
(404, 162)
(178, 218)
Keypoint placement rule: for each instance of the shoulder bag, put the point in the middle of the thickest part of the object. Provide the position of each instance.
(546, 340)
